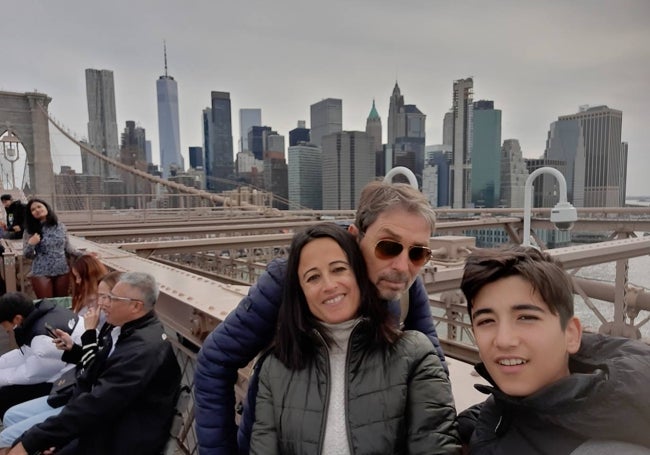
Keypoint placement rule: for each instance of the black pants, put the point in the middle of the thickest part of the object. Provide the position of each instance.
(11, 395)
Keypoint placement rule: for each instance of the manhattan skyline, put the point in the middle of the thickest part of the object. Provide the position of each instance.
(536, 61)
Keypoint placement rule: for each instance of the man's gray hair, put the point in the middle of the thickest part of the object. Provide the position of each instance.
(145, 284)
(378, 197)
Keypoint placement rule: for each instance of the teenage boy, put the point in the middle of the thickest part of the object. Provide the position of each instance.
(555, 389)
(393, 225)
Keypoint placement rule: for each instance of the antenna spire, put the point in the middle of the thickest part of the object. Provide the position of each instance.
(165, 51)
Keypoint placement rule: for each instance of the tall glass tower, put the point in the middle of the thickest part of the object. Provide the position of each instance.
(102, 122)
(168, 125)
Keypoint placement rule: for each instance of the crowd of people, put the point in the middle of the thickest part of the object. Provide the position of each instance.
(347, 357)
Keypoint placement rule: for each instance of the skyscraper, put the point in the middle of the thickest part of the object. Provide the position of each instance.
(102, 122)
(348, 165)
(168, 125)
(513, 174)
(605, 155)
(196, 157)
(305, 177)
(299, 134)
(394, 108)
(486, 155)
(373, 129)
(566, 143)
(326, 118)
(219, 156)
(461, 164)
(133, 153)
(247, 119)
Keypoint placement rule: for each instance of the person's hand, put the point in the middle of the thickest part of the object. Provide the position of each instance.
(91, 318)
(34, 239)
(63, 341)
(18, 449)
(16, 228)
(3, 225)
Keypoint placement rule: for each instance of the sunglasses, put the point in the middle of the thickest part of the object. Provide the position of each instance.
(387, 249)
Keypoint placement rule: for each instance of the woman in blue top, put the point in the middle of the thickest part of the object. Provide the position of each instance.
(46, 243)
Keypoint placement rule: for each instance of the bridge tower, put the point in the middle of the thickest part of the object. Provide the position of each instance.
(20, 113)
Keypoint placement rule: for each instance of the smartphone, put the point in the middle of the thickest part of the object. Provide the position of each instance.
(50, 330)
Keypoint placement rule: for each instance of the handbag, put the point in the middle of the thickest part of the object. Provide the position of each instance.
(62, 389)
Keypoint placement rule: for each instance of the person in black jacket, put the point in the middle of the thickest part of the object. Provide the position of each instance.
(15, 217)
(555, 390)
(124, 402)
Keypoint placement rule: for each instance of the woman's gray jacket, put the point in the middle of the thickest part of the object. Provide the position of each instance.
(398, 400)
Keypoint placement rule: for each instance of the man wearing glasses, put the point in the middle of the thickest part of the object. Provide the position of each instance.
(393, 225)
(124, 401)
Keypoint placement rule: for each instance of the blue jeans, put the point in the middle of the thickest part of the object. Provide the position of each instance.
(23, 416)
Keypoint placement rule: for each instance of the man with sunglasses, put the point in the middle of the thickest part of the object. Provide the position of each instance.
(124, 401)
(393, 225)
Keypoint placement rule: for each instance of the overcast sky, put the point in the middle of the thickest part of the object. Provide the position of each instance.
(536, 59)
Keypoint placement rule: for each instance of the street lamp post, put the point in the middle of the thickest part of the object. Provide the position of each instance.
(563, 215)
(10, 151)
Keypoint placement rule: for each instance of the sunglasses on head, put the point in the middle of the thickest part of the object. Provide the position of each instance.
(387, 249)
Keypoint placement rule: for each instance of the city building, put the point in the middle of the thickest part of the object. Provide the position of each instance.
(133, 153)
(348, 165)
(439, 157)
(565, 143)
(461, 165)
(305, 170)
(486, 155)
(395, 106)
(299, 134)
(219, 164)
(257, 140)
(605, 172)
(513, 174)
(169, 134)
(276, 178)
(247, 119)
(102, 123)
(196, 157)
(326, 118)
(374, 130)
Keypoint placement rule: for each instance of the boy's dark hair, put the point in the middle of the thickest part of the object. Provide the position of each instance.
(13, 304)
(5, 197)
(544, 273)
(294, 343)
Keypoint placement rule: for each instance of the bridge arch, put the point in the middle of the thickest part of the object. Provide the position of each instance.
(21, 114)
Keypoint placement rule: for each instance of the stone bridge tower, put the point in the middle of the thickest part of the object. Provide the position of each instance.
(20, 113)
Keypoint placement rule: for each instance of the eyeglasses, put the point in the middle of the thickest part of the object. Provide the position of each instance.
(115, 298)
(387, 249)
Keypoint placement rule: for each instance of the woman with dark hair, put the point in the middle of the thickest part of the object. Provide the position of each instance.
(46, 243)
(340, 377)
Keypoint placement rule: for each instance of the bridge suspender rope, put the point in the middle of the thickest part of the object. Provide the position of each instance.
(214, 198)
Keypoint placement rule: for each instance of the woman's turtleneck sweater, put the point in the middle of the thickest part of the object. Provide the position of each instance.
(335, 441)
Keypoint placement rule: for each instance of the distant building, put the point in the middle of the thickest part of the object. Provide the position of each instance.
(348, 165)
(247, 119)
(326, 118)
(461, 165)
(299, 134)
(133, 153)
(219, 155)
(305, 176)
(374, 130)
(605, 155)
(486, 155)
(102, 123)
(513, 174)
(395, 106)
(448, 129)
(276, 178)
(439, 157)
(196, 157)
(257, 140)
(565, 142)
(169, 134)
